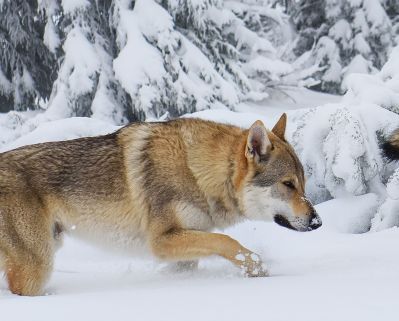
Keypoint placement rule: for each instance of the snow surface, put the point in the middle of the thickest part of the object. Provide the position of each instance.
(333, 273)
(323, 275)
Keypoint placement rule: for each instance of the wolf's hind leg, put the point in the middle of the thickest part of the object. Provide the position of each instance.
(188, 245)
(27, 244)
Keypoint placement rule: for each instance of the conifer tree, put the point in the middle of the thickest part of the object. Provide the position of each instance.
(343, 37)
(27, 66)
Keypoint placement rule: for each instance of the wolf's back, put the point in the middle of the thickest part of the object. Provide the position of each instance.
(390, 147)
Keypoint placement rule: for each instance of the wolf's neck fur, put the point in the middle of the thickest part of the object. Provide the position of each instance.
(221, 174)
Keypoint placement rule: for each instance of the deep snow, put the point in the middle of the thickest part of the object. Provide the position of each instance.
(322, 275)
(328, 274)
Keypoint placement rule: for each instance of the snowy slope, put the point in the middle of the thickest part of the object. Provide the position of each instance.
(329, 274)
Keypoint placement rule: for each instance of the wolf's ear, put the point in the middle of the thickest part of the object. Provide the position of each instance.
(279, 128)
(258, 142)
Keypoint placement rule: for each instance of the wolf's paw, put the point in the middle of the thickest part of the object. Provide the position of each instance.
(252, 265)
(257, 271)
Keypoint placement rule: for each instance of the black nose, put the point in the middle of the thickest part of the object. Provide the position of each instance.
(315, 221)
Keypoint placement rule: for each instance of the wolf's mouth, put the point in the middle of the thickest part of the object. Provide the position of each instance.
(281, 220)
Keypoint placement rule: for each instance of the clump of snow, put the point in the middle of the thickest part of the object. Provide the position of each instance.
(51, 37)
(358, 65)
(351, 214)
(388, 214)
(381, 88)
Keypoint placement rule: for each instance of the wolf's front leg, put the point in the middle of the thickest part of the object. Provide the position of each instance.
(188, 245)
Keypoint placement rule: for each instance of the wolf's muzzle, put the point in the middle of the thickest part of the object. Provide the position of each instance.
(314, 222)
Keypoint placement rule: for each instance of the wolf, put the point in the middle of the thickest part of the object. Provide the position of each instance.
(164, 186)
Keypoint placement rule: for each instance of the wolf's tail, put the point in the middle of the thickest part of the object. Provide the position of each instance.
(390, 146)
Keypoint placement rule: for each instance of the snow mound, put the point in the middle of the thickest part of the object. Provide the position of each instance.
(349, 214)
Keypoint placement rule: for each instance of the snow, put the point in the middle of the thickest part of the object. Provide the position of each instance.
(349, 214)
(381, 88)
(50, 37)
(341, 31)
(276, 68)
(83, 62)
(358, 65)
(323, 274)
(375, 14)
(361, 45)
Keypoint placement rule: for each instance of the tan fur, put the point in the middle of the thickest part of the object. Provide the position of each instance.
(161, 187)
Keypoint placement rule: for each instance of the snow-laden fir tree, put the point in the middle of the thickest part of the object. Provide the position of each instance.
(125, 60)
(85, 85)
(161, 69)
(265, 68)
(194, 55)
(344, 156)
(343, 36)
(27, 66)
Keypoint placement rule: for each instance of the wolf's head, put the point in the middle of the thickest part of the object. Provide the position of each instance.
(275, 183)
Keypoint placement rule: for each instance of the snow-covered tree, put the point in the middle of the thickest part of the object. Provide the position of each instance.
(381, 89)
(265, 67)
(343, 157)
(195, 55)
(161, 69)
(339, 144)
(309, 18)
(343, 37)
(126, 60)
(27, 66)
(85, 85)
(392, 7)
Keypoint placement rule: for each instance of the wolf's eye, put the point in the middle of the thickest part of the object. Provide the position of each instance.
(289, 184)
